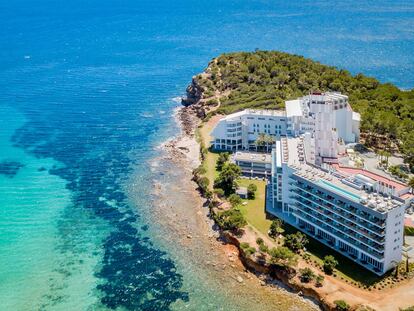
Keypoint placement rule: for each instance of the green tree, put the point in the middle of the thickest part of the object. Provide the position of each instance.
(227, 178)
(222, 159)
(282, 256)
(251, 191)
(329, 264)
(219, 192)
(231, 219)
(234, 200)
(341, 305)
(276, 228)
(387, 155)
(296, 241)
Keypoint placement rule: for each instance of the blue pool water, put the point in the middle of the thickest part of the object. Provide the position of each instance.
(86, 91)
(339, 190)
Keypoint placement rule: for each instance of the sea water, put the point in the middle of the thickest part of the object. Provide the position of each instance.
(86, 96)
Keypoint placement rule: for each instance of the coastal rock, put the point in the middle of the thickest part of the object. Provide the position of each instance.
(194, 93)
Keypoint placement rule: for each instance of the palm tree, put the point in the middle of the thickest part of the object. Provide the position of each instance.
(380, 156)
(387, 155)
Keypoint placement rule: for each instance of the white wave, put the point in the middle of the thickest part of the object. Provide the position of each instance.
(177, 99)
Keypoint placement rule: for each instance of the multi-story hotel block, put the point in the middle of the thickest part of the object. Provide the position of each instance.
(358, 213)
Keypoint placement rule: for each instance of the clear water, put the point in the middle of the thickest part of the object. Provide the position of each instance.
(86, 92)
(339, 190)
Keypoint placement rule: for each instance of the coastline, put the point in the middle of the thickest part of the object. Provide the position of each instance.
(184, 152)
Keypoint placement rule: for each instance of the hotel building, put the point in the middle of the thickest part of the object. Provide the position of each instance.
(358, 213)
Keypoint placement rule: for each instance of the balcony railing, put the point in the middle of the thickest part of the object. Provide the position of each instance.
(377, 226)
(355, 233)
(339, 217)
(339, 233)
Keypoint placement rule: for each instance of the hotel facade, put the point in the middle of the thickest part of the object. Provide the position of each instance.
(358, 213)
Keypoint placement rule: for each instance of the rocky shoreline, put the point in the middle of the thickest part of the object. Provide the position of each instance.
(199, 233)
(185, 146)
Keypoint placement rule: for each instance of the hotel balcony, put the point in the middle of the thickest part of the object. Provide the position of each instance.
(337, 234)
(346, 226)
(351, 212)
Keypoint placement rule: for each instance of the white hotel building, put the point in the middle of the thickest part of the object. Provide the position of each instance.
(358, 213)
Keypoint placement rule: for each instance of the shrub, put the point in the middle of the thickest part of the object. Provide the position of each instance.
(219, 192)
(306, 275)
(263, 248)
(251, 191)
(234, 200)
(199, 170)
(329, 264)
(296, 241)
(247, 249)
(259, 241)
(203, 183)
(244, 245)
(282, 256)
(341, 305)
(276, 228)
(250, 251)
(319, 280)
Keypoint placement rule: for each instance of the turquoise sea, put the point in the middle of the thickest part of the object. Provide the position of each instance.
(87, 94)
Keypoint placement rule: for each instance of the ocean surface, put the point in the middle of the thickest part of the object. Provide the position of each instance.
(87, 93)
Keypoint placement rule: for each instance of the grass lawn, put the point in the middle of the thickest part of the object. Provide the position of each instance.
(254, 210)
(210, 166)
(211, 157)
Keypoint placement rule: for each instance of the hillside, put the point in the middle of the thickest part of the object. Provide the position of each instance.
(265, 79)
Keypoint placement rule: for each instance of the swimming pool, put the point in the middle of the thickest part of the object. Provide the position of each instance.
(339, 190)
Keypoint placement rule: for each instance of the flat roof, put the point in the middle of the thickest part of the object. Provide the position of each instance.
(252, 157)
(358, 171)
(293, 108)
(256, 112)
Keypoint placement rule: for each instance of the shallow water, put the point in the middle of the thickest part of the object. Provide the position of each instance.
(87, 90)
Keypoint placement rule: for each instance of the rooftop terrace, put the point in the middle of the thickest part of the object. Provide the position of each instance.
(266, 113)
(252, 157)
